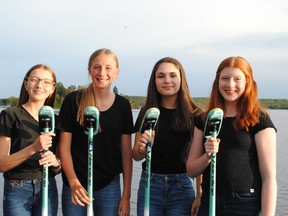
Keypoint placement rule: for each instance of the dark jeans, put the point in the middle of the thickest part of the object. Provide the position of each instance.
(170, 195)
(23, 197)
(106, 201)
(232, 204)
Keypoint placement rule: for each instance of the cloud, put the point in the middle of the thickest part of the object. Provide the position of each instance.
(64, 33)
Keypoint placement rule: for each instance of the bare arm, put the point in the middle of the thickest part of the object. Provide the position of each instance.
(78, 192)
(124, 206)
(8, 162)
(200, 156)
(197, 201)
(266, 150)
(197, 161)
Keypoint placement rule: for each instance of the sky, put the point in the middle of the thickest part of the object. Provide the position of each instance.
(200, 34)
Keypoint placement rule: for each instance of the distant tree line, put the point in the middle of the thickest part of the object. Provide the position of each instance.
(137, 101)
(60, 95)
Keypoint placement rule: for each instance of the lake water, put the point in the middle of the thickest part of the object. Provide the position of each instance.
(279, 117)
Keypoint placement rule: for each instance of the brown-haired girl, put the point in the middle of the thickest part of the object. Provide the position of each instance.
(20, 147)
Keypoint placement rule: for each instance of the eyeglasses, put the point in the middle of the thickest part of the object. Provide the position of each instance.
(45, 82)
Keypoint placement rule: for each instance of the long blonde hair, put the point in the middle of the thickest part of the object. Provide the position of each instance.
(86, 95)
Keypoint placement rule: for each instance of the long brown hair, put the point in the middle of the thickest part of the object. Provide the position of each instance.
(87, 94)
(23, 98)
(186, 108)
(248, 105)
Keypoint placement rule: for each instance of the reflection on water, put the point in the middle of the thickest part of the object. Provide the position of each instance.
(279, 117)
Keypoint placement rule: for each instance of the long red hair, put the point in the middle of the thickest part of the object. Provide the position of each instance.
(248, 105)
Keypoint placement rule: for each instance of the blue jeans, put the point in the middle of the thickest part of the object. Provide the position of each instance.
(171, 194)
(23, 197)
(106, 201)
(232, 204)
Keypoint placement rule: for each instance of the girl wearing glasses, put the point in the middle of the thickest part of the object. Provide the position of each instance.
(21, 159)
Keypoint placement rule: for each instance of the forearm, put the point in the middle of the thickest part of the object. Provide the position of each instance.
(68, 168)
(127, 169)
(198, 186)
(9, 162)
(197, 167)
(268, 197)
(127, 179)
(66, 158)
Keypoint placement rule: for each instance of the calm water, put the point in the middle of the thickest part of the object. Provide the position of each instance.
(279, 118)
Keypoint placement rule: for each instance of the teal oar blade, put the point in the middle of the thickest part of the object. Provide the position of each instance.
(212, 128)
(149, 123)
(91, 123)
(46, 124)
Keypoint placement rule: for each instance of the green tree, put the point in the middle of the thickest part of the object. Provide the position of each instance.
(13, 101)
(71, 88)
(4, 101)
(61, 91)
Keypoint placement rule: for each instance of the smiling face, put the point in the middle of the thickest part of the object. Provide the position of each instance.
(167, 79)
(232, 83)
(103, 71)
(39, 85)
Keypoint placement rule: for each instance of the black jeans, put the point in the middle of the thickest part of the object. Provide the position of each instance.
(234, 204)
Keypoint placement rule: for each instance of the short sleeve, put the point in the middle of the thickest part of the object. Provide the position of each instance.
(68, 112)
(199, 122)
(264, 122)
(6, 123)
(128, 123)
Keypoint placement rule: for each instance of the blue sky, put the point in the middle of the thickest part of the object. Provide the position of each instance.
(200, 34)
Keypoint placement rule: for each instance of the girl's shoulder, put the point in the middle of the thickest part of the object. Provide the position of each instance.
(199, 121)
(73, 96)
(264, 122)
(12, 110)
(119, 99)
(74, 93)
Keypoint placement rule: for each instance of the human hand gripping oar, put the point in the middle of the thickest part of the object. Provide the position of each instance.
(46, 124)
(212, 129)
(91, 122)
(149, 122)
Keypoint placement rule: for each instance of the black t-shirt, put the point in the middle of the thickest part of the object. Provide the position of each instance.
(107, 157)
(170, 148)
(237, 161)
(17, 124)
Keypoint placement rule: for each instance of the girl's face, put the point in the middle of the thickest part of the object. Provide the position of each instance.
(232, 83)
(103, 71)
(167, 79)
(39, 85)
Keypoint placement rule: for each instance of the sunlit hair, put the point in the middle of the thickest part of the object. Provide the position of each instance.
(87, 94)
(23, 98)
(186, 108)
(248, 105)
